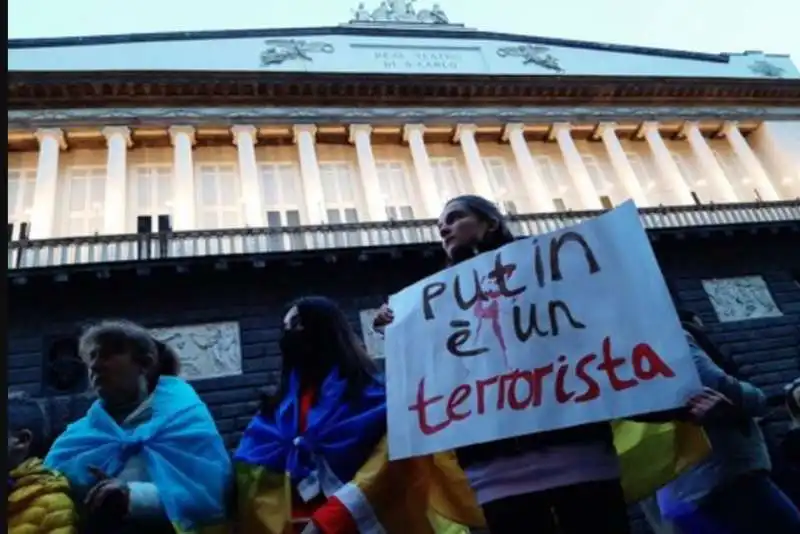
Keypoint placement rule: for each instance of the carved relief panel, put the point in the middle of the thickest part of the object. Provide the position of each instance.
(207, 350)
(741, 298)
(372, 340)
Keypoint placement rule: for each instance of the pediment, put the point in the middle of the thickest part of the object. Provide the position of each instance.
(392, 46)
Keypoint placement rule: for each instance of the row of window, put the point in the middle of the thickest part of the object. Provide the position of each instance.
(219, 196)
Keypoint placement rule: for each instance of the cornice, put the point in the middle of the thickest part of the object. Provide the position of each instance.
(166, 116)
(27, 90)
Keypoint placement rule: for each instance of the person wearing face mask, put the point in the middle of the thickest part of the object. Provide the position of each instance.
(568, 481)
(314, 459)
(147, 457)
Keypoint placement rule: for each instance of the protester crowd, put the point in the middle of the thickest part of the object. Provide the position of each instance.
(147, 457)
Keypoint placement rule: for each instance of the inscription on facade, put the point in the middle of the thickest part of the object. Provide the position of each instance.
(419, 60)
(206, 350)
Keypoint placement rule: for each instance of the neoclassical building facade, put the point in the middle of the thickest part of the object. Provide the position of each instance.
(196, 182)
(377, 121)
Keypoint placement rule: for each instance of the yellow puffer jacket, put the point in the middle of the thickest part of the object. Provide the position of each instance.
(39, 501)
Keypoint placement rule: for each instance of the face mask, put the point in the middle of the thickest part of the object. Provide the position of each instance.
(298, 349)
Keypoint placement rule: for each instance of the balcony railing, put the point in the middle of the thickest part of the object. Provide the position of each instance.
(32, 254)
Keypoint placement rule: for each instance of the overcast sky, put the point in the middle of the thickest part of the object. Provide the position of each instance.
(772, 26)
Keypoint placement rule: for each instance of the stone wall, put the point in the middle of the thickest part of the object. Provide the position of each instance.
(764, 345)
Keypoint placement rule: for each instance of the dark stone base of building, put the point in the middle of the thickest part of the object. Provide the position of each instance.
(47, 310)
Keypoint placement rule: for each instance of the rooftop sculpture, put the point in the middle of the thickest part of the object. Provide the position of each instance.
(399, 11)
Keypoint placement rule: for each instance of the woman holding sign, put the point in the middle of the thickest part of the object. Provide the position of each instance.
(315, 458)
(566, 481)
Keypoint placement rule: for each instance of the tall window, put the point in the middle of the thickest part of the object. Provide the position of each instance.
(685, 168)
(502, 185)
(338, 189)
(699, 185)
(448, 180)
(149, 194)
(21, 188)
(743, 184)
(643, 175)
(85, 194)
(547, 170)
(601, 184)
(280, 193)
(219, 196)
(395, 190)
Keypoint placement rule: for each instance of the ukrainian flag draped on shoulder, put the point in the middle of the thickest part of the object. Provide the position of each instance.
(342, 452)
(184, 453)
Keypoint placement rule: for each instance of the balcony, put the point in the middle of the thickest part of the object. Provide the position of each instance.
(88, 250)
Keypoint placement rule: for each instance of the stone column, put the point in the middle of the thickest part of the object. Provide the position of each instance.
(751, 164)
(244, 137)
(538, 191)
(666, 164)
(776, 144)
(577, 170)
(414, 135)
(708, 162)
(622, 167)
(118, 139)
(305, 139)
(184, 200)
(360, 137)
(51, 142)
(465, 136)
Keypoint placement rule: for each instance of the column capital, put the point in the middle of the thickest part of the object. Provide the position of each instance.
(298, 129)
(413, 128)
(51, 133)
(359, 129)
(175, 131)
(689, 127)
(464, 129)
(558, 128)
(122, 131)
(512, 128)
(607, 126)
(244, 132)
(729, 127)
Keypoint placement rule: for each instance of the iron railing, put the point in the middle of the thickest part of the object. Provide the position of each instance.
(31, 254)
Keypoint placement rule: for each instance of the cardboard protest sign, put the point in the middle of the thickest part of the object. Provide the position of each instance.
(548, 332)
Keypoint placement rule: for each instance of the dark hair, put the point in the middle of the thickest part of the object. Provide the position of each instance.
(25, 413)
(123, 336)
(338, 345)
(486, 211)
(169, 363)
(687, 318)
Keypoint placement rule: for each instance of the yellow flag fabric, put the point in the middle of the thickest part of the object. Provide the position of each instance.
(653, 454)
(431, 494)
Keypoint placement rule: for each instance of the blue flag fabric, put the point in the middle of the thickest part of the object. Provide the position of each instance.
(342, 432)
(184, 453)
